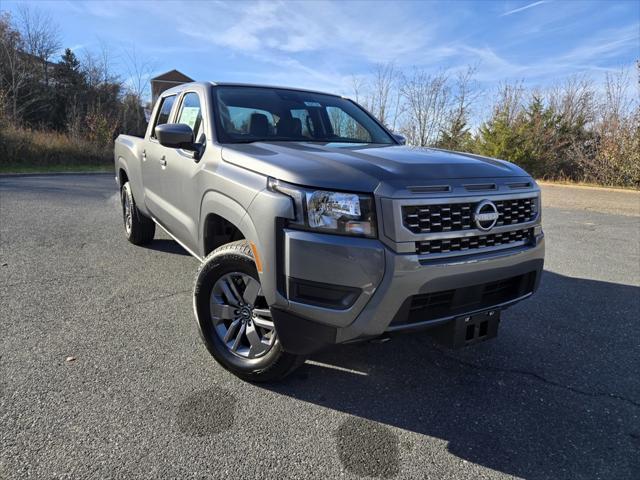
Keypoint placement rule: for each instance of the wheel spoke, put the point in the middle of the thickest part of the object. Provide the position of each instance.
(262, 312)
(234, 289)
(231, 330)
(230, 292)
(222, 312)
(236, 342)
(263, 322)
(256, 345)
(251, 291)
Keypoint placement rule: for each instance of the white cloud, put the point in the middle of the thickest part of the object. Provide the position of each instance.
(605, 44)
(378, 32)
(321, 45)
(97, 9)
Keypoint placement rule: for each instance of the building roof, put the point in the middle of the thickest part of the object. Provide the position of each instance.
(173, 76)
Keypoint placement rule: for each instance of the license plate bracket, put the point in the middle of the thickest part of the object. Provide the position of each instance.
(468, 329)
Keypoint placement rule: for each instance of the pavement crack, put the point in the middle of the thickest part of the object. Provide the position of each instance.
(540, 378)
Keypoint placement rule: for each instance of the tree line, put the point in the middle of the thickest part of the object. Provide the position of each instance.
(77, 99)
(576, 130)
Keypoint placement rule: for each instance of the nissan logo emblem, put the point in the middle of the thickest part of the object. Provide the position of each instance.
(486, 215)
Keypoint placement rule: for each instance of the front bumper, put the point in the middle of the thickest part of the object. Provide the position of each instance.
(375, 287)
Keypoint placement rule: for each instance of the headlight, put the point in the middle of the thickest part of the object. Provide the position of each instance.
(331, 212)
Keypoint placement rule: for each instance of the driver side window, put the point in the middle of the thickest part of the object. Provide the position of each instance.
(191, 113)
(345, 126)
(163, 113)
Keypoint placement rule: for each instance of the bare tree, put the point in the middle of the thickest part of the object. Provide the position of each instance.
(617, 102)
(427, 101)
(573, 99)
(383, 83)
(617, 128)
(466, 94)
(139, 70)
(98, 67)
(41, 37)
(361, 92)
(455, 134)
(398, 108)
(14, 71)
(509, 101)
(380, 95)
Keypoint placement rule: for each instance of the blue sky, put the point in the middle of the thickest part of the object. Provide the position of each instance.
(324, 44)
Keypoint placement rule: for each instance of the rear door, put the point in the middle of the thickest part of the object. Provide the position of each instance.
(179, 182)
(154, 162)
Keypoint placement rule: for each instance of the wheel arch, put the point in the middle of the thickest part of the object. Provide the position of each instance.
(222, 220)
(121, 170)
(123, 176)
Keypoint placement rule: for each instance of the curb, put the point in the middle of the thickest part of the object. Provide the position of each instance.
(51, 174)
(588, 187)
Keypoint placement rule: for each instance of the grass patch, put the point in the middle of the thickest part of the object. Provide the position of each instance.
(21, 168)
(24, 150)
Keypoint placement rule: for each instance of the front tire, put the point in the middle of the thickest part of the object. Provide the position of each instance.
(138, 228)
(234, 317)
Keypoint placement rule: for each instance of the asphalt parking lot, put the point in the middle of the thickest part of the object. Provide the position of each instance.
(556, 395)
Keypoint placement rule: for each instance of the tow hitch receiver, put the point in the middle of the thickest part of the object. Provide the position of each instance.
(468, 329)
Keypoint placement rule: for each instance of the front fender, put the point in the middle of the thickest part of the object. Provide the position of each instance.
(260, 225)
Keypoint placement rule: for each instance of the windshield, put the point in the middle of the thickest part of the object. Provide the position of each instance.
(251, 114)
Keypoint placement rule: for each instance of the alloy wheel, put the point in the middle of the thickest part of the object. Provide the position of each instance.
(126, 211)
(241, 315)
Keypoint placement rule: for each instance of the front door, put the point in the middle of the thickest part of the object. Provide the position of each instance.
(179, 182)
(153, 164)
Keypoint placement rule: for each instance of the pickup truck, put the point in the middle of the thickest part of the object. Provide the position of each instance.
(315, 225)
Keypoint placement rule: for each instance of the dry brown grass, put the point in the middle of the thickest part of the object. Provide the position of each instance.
(26, 148)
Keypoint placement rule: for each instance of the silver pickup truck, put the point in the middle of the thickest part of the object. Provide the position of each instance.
(315, 225)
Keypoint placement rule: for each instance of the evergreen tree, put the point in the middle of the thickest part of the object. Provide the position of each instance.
(70, 92)
(456, 136)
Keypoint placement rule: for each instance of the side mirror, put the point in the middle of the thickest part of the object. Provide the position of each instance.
(175, 135)
(401, 139)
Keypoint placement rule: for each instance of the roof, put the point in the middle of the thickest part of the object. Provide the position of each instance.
(172, 76)
(184, 86)
(179, 88)
(255, 85)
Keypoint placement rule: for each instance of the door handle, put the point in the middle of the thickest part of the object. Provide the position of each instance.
(163, 161)
(144, 155)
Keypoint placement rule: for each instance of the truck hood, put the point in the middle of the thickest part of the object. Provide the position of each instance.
(362, 168)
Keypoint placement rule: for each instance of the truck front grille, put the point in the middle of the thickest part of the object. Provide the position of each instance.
(473, 243)
(454, 217)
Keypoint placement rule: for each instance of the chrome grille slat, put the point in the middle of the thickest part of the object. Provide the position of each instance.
(476, 242)
(452, 217)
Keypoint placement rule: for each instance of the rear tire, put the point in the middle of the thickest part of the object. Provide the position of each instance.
(234, 318)
(138, 228)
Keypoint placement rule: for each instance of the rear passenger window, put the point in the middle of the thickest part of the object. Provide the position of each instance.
(191, 113)
(163, 113)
